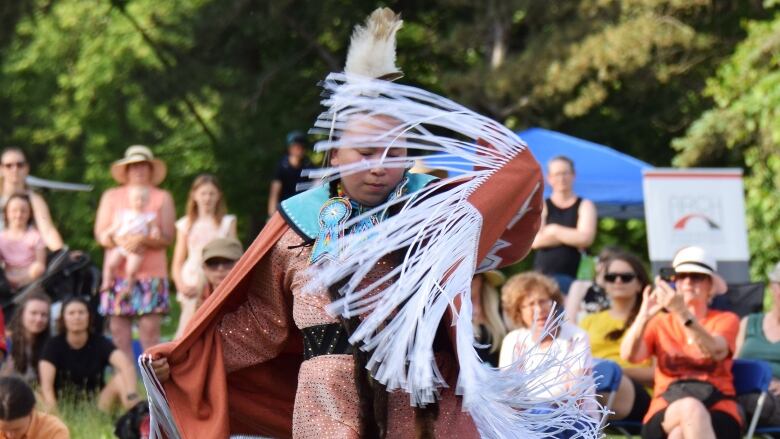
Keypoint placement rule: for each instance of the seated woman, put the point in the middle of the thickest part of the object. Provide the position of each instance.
(588, 296)
(758, 338)
(76, 360)
(29, 329)
(18, 417)
(693, 396)
(528, 300)
(624, 280)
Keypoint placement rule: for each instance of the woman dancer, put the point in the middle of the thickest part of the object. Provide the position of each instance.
(373, 242)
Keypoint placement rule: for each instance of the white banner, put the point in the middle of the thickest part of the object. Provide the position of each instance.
(704, 207)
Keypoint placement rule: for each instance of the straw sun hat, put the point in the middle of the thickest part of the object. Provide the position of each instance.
(138, 154)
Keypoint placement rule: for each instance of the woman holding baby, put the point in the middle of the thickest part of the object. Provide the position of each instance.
(135, 224)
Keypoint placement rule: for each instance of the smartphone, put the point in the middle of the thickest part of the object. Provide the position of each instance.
(668, 275)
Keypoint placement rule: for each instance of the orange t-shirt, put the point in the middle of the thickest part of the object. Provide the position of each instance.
(44, 426)
(665, 337)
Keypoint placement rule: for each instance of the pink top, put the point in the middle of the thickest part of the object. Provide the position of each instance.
(20, 253)
(160, 203)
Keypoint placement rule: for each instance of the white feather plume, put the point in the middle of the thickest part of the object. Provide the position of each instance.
(372, 47)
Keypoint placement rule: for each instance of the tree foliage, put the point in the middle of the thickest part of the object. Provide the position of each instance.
(214, 85)
(743, 129)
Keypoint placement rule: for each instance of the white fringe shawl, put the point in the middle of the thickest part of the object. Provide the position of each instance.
(438, 232)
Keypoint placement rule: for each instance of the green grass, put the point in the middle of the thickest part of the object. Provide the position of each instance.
(85, 421)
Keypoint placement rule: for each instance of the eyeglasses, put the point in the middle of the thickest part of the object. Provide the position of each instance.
(543, 303)
(12, 165)
(215, 264)
(694, 277)
(624, 277)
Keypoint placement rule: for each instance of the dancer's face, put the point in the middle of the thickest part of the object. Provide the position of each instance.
(371, 186)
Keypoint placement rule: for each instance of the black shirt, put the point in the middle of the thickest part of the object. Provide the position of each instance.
(562, 259)
(81, 369)
(290, 176)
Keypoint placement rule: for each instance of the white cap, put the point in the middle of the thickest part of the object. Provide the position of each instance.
(696, 260)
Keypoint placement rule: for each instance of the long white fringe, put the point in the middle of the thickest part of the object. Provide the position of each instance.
(161, 420)
(437, 232)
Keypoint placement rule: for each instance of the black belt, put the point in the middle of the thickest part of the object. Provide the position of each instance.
(329, 339)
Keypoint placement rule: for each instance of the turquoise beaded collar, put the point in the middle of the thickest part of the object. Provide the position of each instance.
(303, 210)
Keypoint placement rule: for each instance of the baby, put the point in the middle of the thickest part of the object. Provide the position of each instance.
(132, 221)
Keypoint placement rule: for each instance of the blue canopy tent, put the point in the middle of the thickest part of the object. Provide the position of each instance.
(609, 178)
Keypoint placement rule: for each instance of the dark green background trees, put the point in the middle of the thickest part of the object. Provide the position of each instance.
(213, 85)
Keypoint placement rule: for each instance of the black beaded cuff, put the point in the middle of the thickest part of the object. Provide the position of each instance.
(330, 339)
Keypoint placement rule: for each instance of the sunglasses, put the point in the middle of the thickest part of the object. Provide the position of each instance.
(624, 277)
(12, 165)
(214, 264)
(694, 277)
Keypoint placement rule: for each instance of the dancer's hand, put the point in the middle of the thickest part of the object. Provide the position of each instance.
(161, 369)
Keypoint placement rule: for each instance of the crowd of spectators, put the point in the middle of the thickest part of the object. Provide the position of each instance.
(674, 351)
(135, 224)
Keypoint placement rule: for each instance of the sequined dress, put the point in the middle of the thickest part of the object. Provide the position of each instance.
(326, 401)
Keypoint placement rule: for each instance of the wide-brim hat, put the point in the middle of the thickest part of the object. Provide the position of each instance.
(696, 260)
(225, 248)
(139, 154)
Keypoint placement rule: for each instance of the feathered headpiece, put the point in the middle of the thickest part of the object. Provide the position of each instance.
(372, 47)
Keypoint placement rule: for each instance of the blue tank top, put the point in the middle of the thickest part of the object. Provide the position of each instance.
(562, 259)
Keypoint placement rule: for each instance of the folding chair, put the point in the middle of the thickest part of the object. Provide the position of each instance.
(741, 299)
(753, 376)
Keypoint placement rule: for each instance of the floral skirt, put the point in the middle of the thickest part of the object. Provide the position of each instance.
(150, 296)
